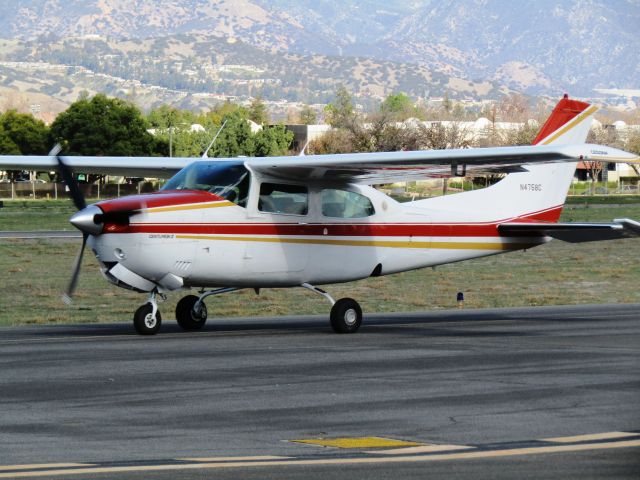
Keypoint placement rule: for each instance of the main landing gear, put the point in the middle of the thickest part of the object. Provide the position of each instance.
(346, 314)
(191, 312)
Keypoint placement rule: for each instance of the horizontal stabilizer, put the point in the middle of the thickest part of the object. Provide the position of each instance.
(574, 232)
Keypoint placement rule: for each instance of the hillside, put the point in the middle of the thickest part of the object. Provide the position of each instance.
(542, 47)
(193, 70)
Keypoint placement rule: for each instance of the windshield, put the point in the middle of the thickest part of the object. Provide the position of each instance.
(229, 180)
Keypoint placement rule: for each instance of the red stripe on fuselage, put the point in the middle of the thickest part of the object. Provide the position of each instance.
(162, 198)
(488, 229)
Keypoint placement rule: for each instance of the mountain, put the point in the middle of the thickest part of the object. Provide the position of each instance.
(541, 47)
(195, 70)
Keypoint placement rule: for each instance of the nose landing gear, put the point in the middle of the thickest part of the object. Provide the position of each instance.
(147, 318)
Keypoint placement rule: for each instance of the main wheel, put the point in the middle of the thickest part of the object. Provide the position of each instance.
(187, 318)
(144, 322)
(346, 316)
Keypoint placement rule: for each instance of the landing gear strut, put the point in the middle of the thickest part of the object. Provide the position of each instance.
(147, 319)
(191, 312)
(346, 314)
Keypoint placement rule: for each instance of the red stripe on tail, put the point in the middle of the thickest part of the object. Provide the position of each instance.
(565, 111)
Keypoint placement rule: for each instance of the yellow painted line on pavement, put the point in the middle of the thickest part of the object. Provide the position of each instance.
(593, 436)
(33, 466)
(332, 461)
(422, 449)
(232, 459)
(357, 442)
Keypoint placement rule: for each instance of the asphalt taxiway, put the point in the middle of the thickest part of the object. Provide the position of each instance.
(40, 234)
(534, 392)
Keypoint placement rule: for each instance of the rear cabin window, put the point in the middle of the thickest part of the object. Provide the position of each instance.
(345, 204)
(285, 199)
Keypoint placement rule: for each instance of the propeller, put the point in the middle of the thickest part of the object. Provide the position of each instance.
(67, 296)
(67, 176)
(81, 204)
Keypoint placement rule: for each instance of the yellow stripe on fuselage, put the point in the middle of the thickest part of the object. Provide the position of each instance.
(194, 206)
(369, 243)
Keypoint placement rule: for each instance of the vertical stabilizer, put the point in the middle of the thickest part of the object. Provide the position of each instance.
(540, 192)
(567, 123)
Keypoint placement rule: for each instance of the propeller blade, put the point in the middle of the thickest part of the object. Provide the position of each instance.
(68, 294)
(67, 176)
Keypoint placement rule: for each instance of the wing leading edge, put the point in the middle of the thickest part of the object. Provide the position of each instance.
(366, 168)
(389, 167)
(159, 167)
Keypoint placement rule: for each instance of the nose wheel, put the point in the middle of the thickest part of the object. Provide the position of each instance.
(147, 320)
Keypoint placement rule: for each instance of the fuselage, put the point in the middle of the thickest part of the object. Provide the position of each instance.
(273, 233)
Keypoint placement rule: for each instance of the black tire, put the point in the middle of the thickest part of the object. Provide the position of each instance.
(346, 316)
(143, 323)
(186, 317)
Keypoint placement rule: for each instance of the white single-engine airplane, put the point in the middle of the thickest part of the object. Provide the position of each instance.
(227, 224)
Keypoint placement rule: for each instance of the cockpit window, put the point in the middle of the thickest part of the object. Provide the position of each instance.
(229, 180)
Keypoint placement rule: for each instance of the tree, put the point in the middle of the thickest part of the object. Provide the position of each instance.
(103, 126)
(340, 113)
(633, 145)
(7, 145)
(524, 135)
(274, 140)
(446, 103)
(308, 115)
(601, 136)
(23, 132)
(438, 136)
(398, 106)
(258, 111)
(334, 141)
(236, 139)
(514, 108)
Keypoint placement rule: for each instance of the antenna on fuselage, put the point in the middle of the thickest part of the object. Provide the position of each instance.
(302, 154)
(206, 152)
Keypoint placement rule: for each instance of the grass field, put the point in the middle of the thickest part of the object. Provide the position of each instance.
(34, 273)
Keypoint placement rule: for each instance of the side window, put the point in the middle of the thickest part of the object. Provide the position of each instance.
(345, 204)
(281, 198)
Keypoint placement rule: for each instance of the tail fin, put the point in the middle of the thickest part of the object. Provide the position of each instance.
(566, 124)
(540, 192)
(569, 123)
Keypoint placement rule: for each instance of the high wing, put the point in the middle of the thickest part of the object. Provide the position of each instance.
(367, 168)
(574, 232)
(389, 167)
(157, 167)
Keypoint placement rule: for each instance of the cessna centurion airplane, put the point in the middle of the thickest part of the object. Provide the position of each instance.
(227, 224)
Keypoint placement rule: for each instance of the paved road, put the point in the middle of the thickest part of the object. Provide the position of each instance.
(483, 393)
(41, 234)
